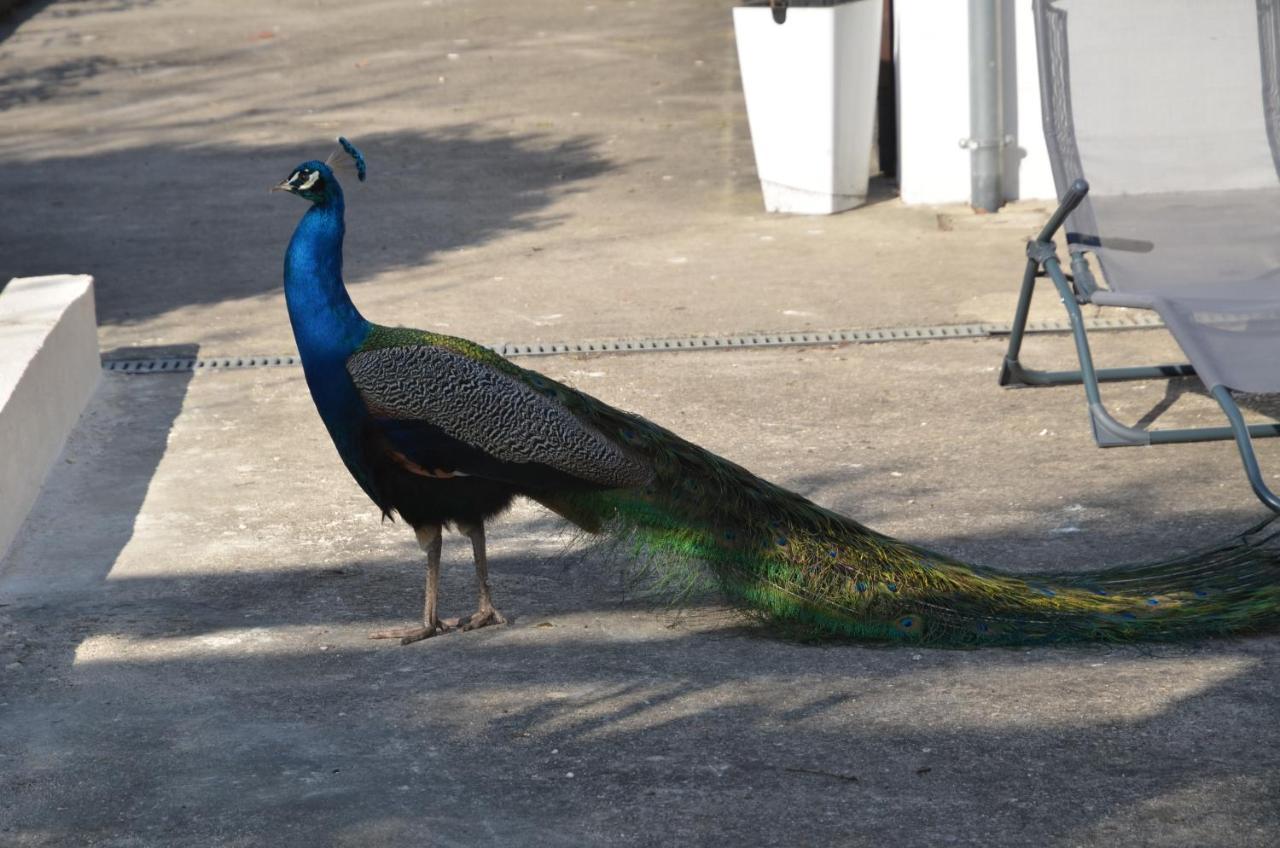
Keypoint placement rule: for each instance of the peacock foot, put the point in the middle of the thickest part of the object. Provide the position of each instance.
(409, 635)
(481, 618)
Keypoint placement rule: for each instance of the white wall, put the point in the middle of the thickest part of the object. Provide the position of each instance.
(49, 367)
(932, 54)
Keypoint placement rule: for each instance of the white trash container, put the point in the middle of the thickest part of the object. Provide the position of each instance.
(810, 87)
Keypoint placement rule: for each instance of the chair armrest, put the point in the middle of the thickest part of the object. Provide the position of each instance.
(1073, 198)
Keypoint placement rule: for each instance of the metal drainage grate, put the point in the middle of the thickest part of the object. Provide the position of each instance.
(688, 343)
(179, 364)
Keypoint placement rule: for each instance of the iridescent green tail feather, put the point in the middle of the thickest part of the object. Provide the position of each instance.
(774, 553)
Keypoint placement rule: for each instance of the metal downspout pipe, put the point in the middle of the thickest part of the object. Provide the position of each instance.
(985, 142)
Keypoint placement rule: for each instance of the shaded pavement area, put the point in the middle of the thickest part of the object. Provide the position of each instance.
(183, 620)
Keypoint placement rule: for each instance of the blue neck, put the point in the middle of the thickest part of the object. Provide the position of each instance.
(327, 327)
(326, 324)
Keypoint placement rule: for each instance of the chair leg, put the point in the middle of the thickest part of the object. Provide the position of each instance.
(1011, 372)
(1107, 431)
(1041, 252)
(1245, 444)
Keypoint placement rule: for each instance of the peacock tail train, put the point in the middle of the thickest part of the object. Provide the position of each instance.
(820, 574)
(443, 430)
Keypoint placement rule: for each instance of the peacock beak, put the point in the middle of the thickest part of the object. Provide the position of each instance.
(283, 185)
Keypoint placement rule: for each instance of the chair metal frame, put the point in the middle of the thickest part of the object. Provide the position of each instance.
(1077, 288)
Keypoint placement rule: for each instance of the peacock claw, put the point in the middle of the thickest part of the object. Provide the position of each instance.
(409, 635)
(481, 618)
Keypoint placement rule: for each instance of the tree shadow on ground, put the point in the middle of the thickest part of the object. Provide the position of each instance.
(57, 80)
(73, 8)
(163, 226)
(581, 726)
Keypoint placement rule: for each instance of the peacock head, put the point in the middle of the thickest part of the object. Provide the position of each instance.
(312, 181)
(315, 180)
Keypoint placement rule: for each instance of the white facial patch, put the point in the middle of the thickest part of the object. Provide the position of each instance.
(311, 180)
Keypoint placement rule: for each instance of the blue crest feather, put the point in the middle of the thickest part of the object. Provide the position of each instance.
(355, 154)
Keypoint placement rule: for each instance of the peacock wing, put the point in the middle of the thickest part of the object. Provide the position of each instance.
(489, 408)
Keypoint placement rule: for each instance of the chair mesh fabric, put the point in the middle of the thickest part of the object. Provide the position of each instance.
(1171, 110)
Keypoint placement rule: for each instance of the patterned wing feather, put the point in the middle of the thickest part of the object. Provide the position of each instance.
(489, 409)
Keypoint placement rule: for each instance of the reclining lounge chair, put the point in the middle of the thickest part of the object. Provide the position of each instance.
(1163, 125)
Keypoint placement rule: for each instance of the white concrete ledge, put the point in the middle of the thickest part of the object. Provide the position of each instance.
(49, 367)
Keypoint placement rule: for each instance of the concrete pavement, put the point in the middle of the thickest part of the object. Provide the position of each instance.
(183, 658)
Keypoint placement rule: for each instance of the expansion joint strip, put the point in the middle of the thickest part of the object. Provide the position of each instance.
(944, 332)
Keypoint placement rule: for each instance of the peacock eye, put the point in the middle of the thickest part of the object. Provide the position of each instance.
(306, 179)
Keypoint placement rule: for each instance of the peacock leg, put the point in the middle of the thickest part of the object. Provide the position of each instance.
(430, 541)
(486, 614)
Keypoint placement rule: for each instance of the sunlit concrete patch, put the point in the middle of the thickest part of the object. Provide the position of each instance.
(982, 695)
(234, 642)
(495, 825)
(1088, 692)
(1238, 804)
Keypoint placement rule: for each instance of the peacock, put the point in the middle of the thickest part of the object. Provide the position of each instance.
(446, 434)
